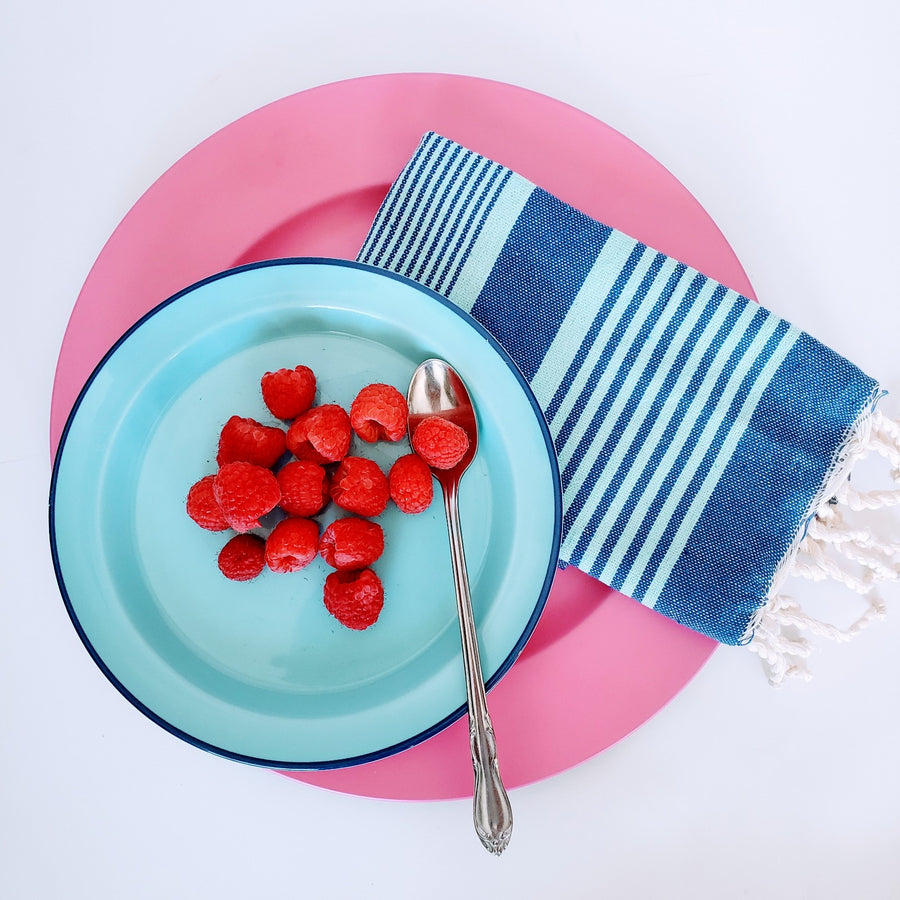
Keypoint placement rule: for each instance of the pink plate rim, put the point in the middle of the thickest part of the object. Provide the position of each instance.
(303, 176)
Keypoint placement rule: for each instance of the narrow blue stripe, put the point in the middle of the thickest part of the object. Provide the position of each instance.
(565, 430)
(436, 232)
(461, 261)
(439, 246)
(589, 339)
(422, 185)
(396, 204)
(643, 583)
(665, 442)
(577, 504)
(389, 207)
(472, 208)
(422, 225)
(739, 425)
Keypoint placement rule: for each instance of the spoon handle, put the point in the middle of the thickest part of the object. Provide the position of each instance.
(491, 808)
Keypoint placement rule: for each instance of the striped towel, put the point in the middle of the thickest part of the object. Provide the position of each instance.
(699, 436)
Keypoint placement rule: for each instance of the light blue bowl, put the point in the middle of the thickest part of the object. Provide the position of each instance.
(259, 671)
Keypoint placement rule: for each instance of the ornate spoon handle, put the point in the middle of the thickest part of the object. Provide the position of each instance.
(491, 808)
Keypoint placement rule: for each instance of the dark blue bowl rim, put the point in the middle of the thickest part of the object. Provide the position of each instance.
(317, 765)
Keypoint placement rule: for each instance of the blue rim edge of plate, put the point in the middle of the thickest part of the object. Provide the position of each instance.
(439, 726)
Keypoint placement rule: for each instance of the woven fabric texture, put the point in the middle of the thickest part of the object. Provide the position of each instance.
(695, 430)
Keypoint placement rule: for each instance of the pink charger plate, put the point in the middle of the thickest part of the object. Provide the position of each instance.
(304, 176)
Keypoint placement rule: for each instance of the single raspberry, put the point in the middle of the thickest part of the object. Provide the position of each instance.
(288, 392)
(304, 487)
(321, 434)
(202, 507)
(354, 598)
(351, 543)
(292, 545)
(246, 440)
(440, 442)
(245, 492)
(379, 413)
(243, 557)
(411, 484)
(360, 487)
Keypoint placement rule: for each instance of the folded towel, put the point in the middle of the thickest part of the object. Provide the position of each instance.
(702, 440)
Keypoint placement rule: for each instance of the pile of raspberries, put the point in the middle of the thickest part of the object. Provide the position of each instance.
(304, 466)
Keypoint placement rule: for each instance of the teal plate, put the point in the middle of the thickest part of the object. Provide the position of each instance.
(259, 671)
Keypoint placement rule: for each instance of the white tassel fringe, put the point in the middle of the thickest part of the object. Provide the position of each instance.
(833, 549)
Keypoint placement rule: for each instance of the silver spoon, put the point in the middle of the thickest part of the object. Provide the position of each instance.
(437, 390)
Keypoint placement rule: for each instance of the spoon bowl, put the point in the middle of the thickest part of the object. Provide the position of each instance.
(437, 390)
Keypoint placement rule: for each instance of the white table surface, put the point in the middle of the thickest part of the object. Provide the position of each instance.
(782, 119)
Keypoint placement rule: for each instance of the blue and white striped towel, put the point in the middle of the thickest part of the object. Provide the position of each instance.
(698, 434)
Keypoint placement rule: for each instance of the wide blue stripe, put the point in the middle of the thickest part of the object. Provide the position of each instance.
(546, 258)
(657, 395)
(723, 574)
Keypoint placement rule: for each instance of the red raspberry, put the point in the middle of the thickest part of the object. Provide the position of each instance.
(202, 507)
(304, 488)
(322, 434)
(379, 413)
(354, 598)
(245, 492)
(292, 545)
(440, 442)
(351, 543)
(246, 440)
(243, 557)
(411, 484)
(289, 392)
(360, 487)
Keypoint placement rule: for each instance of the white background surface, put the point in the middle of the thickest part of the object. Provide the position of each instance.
(782, 119)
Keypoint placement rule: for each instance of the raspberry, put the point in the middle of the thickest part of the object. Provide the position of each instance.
(321, 435)
(245, 492)
(292, 545)
(354, 598)
(351, 543)
(288, 392)
(202, 507)
(304, 488)
(379, 413)
(440, 442)
(410, 484)
(246, 440)
(360, 487)
(243, 557)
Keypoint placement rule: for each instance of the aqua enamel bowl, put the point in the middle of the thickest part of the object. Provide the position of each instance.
(259, 671)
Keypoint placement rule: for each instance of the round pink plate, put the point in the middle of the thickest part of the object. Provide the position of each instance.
(304, 176)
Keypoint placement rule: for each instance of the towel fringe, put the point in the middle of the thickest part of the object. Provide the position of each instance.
(832, 549)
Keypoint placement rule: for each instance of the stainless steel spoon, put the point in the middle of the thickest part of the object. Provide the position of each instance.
(437, 390)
